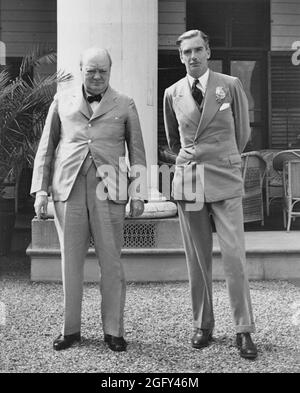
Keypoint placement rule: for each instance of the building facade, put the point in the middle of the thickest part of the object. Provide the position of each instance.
(256, 40)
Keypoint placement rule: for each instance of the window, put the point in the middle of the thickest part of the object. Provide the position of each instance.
(231, 23)
(285, 101)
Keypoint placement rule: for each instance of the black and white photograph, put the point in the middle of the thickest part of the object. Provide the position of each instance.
(149, 189)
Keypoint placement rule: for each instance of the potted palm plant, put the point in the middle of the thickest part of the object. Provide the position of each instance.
(24, 103)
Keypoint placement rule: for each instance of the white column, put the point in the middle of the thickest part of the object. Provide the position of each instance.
(2, 53)
(129, 30)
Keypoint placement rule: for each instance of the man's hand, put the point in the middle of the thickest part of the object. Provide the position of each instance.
(136, 208)
(40, 206)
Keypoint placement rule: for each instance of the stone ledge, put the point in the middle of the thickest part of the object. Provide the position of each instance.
(160, 233)
(270, 255)
(155, 265)
(125, 251)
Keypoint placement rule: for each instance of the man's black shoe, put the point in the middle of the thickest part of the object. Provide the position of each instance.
(64, 342)
(246, 346)
(201, 338)
(117, 344)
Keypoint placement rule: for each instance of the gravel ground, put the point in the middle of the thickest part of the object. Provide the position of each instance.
(158, 328)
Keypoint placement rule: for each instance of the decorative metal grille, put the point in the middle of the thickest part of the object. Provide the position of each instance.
(138, 235)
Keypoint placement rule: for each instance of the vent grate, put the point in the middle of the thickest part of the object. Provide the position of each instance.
(138, 235)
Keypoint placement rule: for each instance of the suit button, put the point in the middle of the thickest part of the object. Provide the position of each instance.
(90, 125)
(89, 141)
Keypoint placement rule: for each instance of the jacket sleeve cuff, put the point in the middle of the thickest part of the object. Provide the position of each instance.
(41, 193)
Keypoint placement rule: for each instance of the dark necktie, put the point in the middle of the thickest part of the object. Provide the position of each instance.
(197, 93)
(91, 99)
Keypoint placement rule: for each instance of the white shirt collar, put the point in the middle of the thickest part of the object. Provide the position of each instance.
(203, 80)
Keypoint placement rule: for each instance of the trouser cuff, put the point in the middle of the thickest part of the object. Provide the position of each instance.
(245, 329)
(203, 326)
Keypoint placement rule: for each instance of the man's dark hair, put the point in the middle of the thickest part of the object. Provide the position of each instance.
(191, 34)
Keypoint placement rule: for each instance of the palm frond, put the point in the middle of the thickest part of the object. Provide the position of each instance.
(4, 80)
(24, 104)
(41, 53)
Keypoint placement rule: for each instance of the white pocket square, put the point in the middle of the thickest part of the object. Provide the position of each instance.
(224, 106)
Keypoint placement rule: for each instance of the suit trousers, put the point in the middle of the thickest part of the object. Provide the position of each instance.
(197, 237)
(76, 219)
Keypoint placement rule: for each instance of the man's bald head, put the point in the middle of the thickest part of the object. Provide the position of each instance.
(95, 65)
(94, 52)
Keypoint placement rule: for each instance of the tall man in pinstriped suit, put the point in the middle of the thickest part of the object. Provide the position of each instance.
(207, 123)
(86, 130)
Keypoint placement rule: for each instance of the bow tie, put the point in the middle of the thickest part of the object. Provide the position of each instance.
(91, 99)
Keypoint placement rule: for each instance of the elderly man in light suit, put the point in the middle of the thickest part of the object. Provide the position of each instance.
(207, 123)
(83, 143)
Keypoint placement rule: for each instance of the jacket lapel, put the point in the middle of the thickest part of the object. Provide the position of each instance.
(210, 105)
(186, 103)
(106, 104)
(82, 105)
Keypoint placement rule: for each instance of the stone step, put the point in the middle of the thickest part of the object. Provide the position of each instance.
(153, 251)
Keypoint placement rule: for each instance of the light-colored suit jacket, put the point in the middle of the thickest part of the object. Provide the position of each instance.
(213, 135)
(72, 131)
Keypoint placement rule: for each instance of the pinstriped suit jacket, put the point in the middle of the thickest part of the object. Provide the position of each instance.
(213, 136)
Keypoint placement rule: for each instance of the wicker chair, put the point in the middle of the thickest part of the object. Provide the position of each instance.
(288, 161)
(273, 179)
(253, 171)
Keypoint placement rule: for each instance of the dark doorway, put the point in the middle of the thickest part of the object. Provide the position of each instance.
(240, 41)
